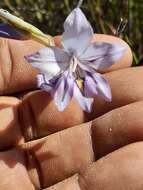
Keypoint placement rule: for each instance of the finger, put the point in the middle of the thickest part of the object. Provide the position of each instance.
(10, 131)
(13, 173)
(42, 157)
(101, 175)
(117, 128)
(121, 169)
(37, 116)
(54, 158)
(125, 61)
(126, 87)
(17, 75)
(65, 153)
(42, 118)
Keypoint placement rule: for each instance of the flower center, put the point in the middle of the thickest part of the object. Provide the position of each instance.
(80, 83)
(74, 69)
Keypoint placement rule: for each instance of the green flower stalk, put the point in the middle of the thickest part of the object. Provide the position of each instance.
(27, 29)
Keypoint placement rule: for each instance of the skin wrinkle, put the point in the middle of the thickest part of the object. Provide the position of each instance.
(71, 183)
(91, 139)
(68, 159)
(28, 124)
(82, 182)
(6, 63)
(12, 62)
(26, 128)
(34, 132)
(9, 123)
(33, 163)
(21, 140)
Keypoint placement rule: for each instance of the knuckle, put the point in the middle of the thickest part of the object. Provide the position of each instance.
(27, 120)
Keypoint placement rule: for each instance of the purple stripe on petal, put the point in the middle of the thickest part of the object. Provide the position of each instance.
(43, 84)
(84, 102)
(102, 55)
(103, 87)
(90, 86)
(7, 31)
(50, 61)
(63, 92)
(78, 32)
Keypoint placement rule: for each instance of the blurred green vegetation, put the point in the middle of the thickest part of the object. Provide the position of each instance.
(104, 15)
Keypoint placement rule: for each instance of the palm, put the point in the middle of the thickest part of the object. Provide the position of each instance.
(34, 156)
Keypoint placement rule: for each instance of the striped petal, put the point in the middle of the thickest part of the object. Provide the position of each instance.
(90, 86)
(78, 33)
(84, 102)
(43, 83)
(102, 55)
(103, 87)
(63, 92)
(50, 61)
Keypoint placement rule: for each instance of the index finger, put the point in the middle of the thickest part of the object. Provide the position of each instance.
(17, 75)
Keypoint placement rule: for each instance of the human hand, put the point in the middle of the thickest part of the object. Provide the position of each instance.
(36, 151)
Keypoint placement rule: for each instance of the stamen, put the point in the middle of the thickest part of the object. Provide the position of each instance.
(79, 3)
(121, 27)
(73, 64)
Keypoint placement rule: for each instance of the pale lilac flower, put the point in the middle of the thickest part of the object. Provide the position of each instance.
(71, 71)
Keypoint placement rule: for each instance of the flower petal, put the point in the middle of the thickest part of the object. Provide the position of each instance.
(7, 31)
(78, 32)
(43, 83)
(84, 102)
(90, 86)
(49, 60)
(102, 55)
(63, 92)
(103, 87)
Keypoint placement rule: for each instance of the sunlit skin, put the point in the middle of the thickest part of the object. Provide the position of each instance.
(41, 147)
